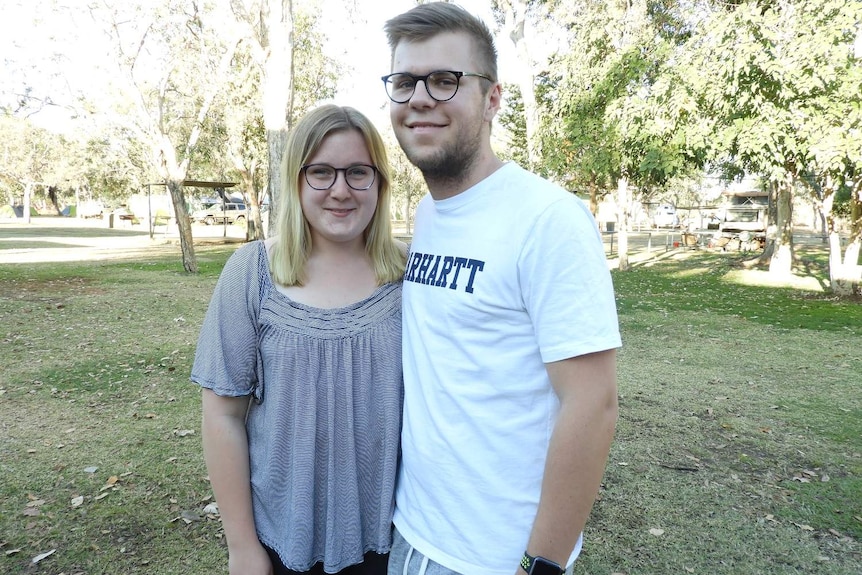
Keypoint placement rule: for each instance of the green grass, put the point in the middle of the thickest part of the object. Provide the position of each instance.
(96, 363)
(736, 402)
(739, 439)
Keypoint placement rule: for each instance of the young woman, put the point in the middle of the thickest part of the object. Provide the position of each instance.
(299, 358)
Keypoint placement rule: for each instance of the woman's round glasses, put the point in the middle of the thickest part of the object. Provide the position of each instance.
(441, 85)
(322, 176)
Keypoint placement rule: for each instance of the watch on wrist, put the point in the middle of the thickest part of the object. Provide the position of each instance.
(540, 565)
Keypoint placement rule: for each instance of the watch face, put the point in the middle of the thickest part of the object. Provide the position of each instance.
(542, 566)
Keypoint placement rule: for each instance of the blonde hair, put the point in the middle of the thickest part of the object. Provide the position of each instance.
(293, 246)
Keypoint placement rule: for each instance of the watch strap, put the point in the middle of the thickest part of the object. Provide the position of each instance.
(527, 562)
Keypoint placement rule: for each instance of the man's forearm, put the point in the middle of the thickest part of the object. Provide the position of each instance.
(577, 456)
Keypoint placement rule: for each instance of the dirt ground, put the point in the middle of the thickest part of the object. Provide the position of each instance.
(58, 239)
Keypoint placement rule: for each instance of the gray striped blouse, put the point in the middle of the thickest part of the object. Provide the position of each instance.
(325, 425)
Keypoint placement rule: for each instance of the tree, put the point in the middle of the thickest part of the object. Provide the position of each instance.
(269, 28)
(514, 17)
(768, 75)
(407, 186)
(512, 118)
(171, 61)
(606, 97)
(26, 152)
(248, 140)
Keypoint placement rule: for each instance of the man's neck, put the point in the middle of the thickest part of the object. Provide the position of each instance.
(445, 188)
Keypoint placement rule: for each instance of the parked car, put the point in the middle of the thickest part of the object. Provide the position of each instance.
(230, 212)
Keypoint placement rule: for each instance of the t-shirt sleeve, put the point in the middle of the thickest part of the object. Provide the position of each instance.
(567, 287)
(227, 349)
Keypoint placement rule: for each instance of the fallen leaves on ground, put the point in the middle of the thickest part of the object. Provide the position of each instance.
(42, 556)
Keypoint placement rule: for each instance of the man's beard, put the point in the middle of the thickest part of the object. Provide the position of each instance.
(449, 165)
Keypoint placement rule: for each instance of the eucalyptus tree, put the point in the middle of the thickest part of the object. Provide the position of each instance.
(834, 131)
(113, 164)
(26, 154)
(170, 62)
(240, 115)
(523, 22)
(269, 29)
(240, 126)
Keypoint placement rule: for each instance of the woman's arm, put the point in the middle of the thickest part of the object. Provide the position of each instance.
(226, 453)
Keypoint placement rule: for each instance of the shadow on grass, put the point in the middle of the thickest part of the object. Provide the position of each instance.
(722, 284)
(25, 232)
(28, 244)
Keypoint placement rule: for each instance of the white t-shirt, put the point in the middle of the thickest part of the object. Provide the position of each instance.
(501, 279)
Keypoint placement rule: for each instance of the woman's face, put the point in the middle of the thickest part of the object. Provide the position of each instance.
(340, 214)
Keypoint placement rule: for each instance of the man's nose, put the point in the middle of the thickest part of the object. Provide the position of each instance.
(421, 97)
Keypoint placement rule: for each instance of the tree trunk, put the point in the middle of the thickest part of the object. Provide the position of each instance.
(184, 225)
(52, 195)
(826, 212)
(277, 94)
(515, 22)
(408, 214)
(28, 192)
(847, 280)
(594, 198)
(781, 261)
(276, 141)
(623, 221)
(845, 277)
(254, 228)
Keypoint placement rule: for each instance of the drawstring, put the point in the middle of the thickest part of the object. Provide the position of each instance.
(407, 561)
(423, 567)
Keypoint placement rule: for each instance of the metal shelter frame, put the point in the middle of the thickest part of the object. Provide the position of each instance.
(189, 184)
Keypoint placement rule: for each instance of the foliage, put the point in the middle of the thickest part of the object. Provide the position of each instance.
(789, 70)
(841, 207)
(407, 186)
(618, 113)
(25, 155)
(512, 119)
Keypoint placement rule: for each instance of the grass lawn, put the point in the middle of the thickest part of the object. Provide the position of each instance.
(738, 451)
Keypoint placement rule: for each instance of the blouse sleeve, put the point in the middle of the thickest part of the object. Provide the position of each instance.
(227, 348)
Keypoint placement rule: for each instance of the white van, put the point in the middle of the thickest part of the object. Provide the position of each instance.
(665, 217)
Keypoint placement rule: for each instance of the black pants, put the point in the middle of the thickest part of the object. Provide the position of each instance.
(373, 564)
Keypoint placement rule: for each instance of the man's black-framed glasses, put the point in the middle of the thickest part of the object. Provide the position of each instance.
(442, 85)
(322, 176)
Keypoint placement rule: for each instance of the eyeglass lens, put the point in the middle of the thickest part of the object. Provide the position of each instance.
(440, 85)
(323, 176)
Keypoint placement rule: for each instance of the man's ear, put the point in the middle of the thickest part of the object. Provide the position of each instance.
(495, 99)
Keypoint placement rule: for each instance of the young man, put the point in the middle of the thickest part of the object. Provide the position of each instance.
(509, 323)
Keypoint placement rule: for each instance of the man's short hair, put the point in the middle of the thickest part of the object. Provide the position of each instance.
(428, 20)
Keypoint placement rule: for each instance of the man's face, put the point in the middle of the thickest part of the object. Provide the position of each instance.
(443, 139)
